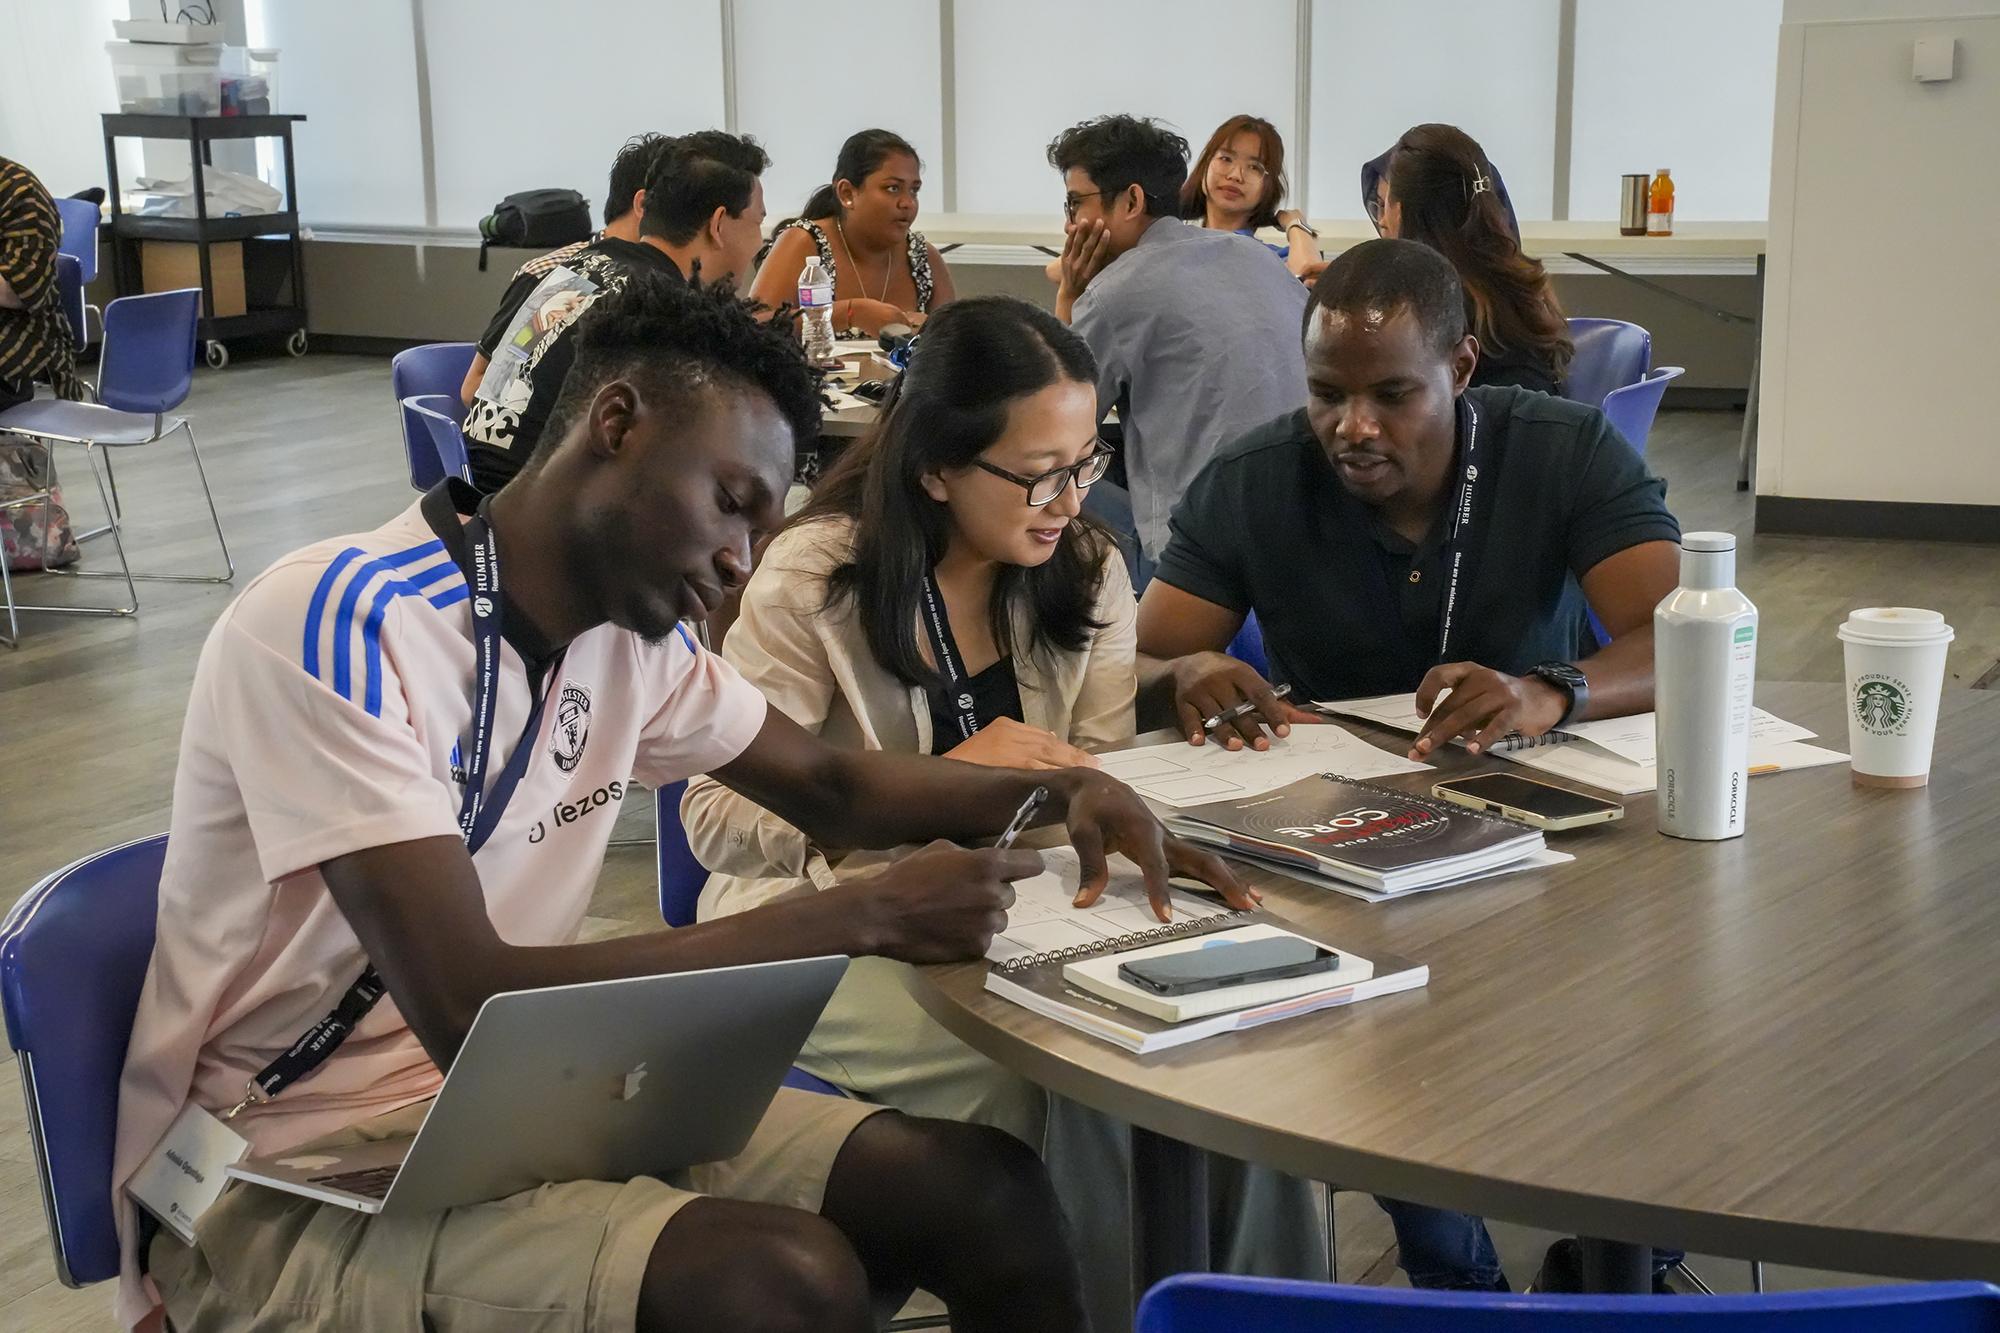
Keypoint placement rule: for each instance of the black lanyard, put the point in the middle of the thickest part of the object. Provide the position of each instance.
(945, 652)
(479, 812)
(1458, 521)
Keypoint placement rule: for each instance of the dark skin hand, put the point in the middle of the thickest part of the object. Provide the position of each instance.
(1382, 406)
(642, 516)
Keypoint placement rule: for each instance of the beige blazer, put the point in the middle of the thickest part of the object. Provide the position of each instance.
(815, 665)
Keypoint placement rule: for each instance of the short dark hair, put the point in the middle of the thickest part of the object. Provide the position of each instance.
(674, 339)
(696, 174)
(1117, 151)
(975, 358)
(1394, 275)
(628, 173)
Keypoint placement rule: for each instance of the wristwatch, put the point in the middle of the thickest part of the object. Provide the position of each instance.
(1570, 681)
(1304, 226)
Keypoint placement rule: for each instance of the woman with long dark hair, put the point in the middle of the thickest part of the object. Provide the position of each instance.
(1441, 190)
(862, 224)
(943, 593)
(1238, 184)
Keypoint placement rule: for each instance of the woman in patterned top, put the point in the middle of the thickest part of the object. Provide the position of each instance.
(34, 332)
(862, 226)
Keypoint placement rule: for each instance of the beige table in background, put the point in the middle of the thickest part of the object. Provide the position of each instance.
(1783, 1047)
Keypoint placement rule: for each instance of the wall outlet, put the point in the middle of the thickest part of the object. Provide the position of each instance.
(1935, 59)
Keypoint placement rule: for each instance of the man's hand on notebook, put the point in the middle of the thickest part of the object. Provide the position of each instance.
(939, 904)
(1483, 706)
(1106, 816)
(1208, 685)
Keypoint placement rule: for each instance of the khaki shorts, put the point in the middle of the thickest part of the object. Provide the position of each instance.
(561, 1257)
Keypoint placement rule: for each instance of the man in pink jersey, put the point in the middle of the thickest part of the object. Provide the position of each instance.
(320, 826)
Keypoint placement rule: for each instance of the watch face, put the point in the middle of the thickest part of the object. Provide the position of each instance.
(1561, 673)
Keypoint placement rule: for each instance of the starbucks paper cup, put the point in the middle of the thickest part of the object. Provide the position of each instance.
(1895, 674)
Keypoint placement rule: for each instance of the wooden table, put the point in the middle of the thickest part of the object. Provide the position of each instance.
(1783, 1047)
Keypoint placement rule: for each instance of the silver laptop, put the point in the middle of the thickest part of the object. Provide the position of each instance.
(602, 1081)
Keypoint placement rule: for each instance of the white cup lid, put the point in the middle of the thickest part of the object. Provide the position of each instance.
(1896, 622)
(1708, 541)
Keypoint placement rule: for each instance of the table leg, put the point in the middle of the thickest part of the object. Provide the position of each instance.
(1746, 447)
(1169, 1208)
(1613, 1267)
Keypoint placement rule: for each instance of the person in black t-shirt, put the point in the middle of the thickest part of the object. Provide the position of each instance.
(1340, 527)
(1336, 527)
(702, 216)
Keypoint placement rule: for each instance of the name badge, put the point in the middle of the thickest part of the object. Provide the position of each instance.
(185, 1173)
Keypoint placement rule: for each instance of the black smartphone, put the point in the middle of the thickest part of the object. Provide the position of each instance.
(1540, 804)
(1238, 963)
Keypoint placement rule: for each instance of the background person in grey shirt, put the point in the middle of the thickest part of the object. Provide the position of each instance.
(1195, 331)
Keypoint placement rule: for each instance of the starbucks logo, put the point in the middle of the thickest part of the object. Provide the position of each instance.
(1880, 705)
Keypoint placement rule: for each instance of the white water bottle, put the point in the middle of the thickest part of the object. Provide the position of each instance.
(816, 312)
(1704, 671)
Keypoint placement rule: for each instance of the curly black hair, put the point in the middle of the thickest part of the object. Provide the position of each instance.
(628, 173)
(674, 339)
(1117, 151)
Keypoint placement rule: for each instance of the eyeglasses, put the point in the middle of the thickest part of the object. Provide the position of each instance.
(1071, 202)
(1377, 209)
(1046, 487)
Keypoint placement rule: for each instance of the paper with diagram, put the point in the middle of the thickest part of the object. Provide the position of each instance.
(1177, 774)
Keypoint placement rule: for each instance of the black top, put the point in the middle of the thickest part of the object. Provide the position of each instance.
(1520, 370)
(1268, 527)
(995, 694)
(499, 437)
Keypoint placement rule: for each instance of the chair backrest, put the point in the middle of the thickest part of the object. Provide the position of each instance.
(147, 364)
(440, 450)
(1248, 646)
(1207, 1303)
(80, 219)
(1610, 354)
(681, 876)
(69, 293)
(73, 954)
(434, 369)
(1631, 409)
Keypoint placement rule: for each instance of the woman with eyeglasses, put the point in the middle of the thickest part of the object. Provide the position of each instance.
(943, 593)
(1237, 185)
(1440, 189)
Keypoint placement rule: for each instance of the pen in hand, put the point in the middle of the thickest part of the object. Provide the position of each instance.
(1021, 818)
(1246, 707)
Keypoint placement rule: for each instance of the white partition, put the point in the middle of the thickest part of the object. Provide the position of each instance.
(49, 98)
(1689, 88)
(1490, 69)
(351, 69)
(529, 96)
(879, 73)
(1027, 69)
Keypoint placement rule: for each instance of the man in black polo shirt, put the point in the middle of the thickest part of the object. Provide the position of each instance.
(702, 215)
(1405, 532)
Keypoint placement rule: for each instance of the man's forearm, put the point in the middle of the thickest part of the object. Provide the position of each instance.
(1621, 676)
(886, 799)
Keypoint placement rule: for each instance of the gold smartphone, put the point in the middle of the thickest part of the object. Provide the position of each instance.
(1542, 805)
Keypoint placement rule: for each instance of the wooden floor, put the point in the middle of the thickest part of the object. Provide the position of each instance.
(90, 709)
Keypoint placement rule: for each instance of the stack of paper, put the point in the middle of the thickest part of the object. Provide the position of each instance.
(1615, 754)
(1177, 774)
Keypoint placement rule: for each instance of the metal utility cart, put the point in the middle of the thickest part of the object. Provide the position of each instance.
(128, 230)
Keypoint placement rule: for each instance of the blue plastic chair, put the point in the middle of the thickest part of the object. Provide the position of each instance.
(433, 369)
(441, 452)
(1631, 409)
(144, 373)
(1248, 646)
(1610, 354)
(73, 954)
(80, 221)
(681, 876)
(1206, 1303)
(69, 295)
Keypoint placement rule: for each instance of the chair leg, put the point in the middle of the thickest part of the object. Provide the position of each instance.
(111, 516)
(124, 568)
(228, 562)
(1332, 1240)
(1757, 1276)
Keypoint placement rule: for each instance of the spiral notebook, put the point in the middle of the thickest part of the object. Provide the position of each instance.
(1036, 958)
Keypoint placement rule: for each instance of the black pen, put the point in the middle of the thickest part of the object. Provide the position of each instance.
(1247, 706)
(1021, 818)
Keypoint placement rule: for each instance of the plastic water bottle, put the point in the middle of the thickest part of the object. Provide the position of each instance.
(816, 311)
(1704, 672)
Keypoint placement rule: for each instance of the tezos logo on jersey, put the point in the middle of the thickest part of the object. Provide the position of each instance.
(1881, 704)
(572, 726)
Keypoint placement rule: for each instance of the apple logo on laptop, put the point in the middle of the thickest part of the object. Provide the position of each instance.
(632, 1082)
(310, 1162)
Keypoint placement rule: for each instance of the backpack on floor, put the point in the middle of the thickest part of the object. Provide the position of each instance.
(536, 219)
(32, 536)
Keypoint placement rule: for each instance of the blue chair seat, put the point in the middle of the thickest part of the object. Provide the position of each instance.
(76, 423)
(433, 371)
(1610, 354)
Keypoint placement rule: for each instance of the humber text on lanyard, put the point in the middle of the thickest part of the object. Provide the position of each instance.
(479, 812)
(946, 655)
(1459, 520)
